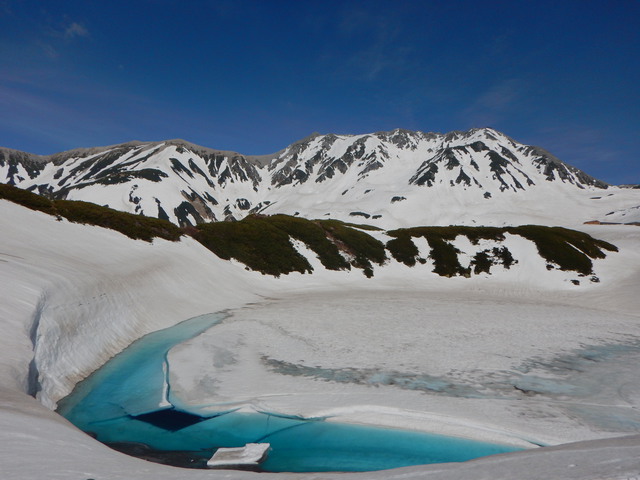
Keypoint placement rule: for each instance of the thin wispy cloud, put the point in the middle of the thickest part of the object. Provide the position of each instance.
(51, 107)
(581, 143)
(43, 42)
(375, 45)
(32, 113)
(65, 29)
(48, 50)
(495, 103)
(75, 30)
(501, 96)
(374, 62)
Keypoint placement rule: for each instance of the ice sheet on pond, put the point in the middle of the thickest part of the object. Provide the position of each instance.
(299, 444)
(134, 381)
(250, 456)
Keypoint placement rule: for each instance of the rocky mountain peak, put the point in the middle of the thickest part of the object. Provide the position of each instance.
(321, 175)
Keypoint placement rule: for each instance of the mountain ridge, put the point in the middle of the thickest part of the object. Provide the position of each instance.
(386, 177)
(56, 156)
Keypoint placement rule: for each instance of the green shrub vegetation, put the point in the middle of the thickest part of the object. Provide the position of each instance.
(263, 243)
(481, 262)
(443, 253)
(445, 257)
(26, 199)
(362, 247)
(569, 250)
(254, 241)
(504, 255)
(403, 249)
(134, 226)
(314, 237)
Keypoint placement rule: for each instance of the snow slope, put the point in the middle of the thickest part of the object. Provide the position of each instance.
(82, 293)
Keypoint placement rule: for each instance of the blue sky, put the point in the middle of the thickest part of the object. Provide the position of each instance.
(254, 76)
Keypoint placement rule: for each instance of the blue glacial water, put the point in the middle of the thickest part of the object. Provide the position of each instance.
(128, 403)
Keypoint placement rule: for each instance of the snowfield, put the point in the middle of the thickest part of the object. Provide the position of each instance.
(522, 356)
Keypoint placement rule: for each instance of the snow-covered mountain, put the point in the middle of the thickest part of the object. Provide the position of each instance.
(391, 179)
(476, 345)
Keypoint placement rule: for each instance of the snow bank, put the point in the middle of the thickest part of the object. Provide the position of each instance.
(39, 444)
(82, 293)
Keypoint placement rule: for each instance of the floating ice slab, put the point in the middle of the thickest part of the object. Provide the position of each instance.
(251, 455)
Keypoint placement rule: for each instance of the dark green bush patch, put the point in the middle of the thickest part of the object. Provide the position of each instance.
(314, 237)
(503, 256)
(443, 253)
(485, 259)
(570, 250)
(26, 198)
(482, 262)
(362, 247)
(262, 243)
(403, 250)
(254, 241)
(445, 257)
(133, 226)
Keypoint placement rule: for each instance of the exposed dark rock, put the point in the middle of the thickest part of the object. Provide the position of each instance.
(426, 175)
(182, 213)
(243, 204)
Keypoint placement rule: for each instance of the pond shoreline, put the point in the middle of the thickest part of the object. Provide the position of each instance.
(128, 403)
